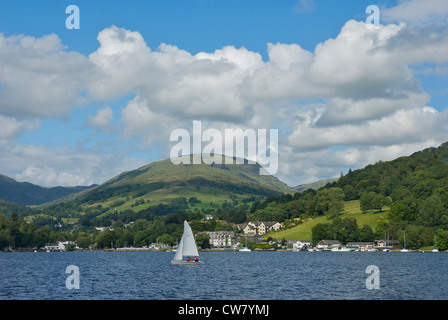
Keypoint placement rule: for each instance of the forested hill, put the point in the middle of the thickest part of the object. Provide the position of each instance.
(410, 180)
(412, 191)
(415, 187)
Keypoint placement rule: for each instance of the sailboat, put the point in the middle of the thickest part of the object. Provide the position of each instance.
(386, 248)
(186, 248)
(435, 245)
(245, 249)
(404, 247)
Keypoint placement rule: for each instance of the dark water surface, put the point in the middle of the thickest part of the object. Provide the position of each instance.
(224, 276)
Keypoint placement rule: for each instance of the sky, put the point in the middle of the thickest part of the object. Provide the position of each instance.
(81, 105)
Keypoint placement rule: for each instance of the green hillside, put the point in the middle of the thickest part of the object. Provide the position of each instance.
(184, 186)
(352, 209)
(413, 188)
(410, 180)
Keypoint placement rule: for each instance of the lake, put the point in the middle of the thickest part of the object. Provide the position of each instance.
(224, 276)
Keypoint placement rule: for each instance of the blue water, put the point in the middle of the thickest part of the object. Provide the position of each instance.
(224, 275)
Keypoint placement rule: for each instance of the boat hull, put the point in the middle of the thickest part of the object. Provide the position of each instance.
(186, 263)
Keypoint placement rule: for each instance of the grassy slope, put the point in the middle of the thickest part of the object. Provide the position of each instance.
(352, 209)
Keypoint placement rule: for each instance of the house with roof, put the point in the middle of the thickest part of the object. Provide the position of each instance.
(381, 244)
(360, 245)
(328, 244)
(61, 246)
(259, 227)
(219, 239)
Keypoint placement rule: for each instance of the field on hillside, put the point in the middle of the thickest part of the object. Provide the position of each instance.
(352, 209)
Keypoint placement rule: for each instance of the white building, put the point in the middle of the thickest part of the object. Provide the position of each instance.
(101, 229)
(259, 227)
(60, 246)
(222, 238)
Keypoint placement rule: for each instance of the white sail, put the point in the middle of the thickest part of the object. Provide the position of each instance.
(189, 248)
(178, 255)
(187, 245)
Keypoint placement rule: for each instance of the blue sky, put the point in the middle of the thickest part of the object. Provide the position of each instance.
(80, 106)
(191, 25)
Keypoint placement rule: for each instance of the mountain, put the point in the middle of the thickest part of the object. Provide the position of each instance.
(163, 182)
(314, 185)
(26, 193)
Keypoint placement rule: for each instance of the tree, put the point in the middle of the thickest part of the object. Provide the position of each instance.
(344, 230)
(365, 234)
(240, 215)
(378, 201)
(140, 224)
(431, 211)
(41, 237)
(320, 231)
(331, 201)
(166, 238)
(401, 212)
(143, 238)
(203, 240)
(106, 239)
(83, 241)
(442, 239)
(125, 239)
(366, 200)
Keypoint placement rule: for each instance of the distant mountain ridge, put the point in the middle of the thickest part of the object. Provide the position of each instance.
(315, 185)
(169, 173)
(26, 193)
(162, 181)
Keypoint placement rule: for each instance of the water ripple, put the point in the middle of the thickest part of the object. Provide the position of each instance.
(225, 275)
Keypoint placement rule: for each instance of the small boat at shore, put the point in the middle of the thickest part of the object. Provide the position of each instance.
(435, 245)
(245, 249)
(404, 246)
(340, 249)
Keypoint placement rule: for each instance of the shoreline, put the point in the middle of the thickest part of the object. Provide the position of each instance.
(204, 250)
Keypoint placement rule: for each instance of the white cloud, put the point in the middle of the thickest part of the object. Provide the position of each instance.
(417, 12)
(300, 167)
(414, 125)
(11, 127)
(354, 111)
(38, 78)
(359, 64)
(102, 119)
(369, 100)
(62, 166)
